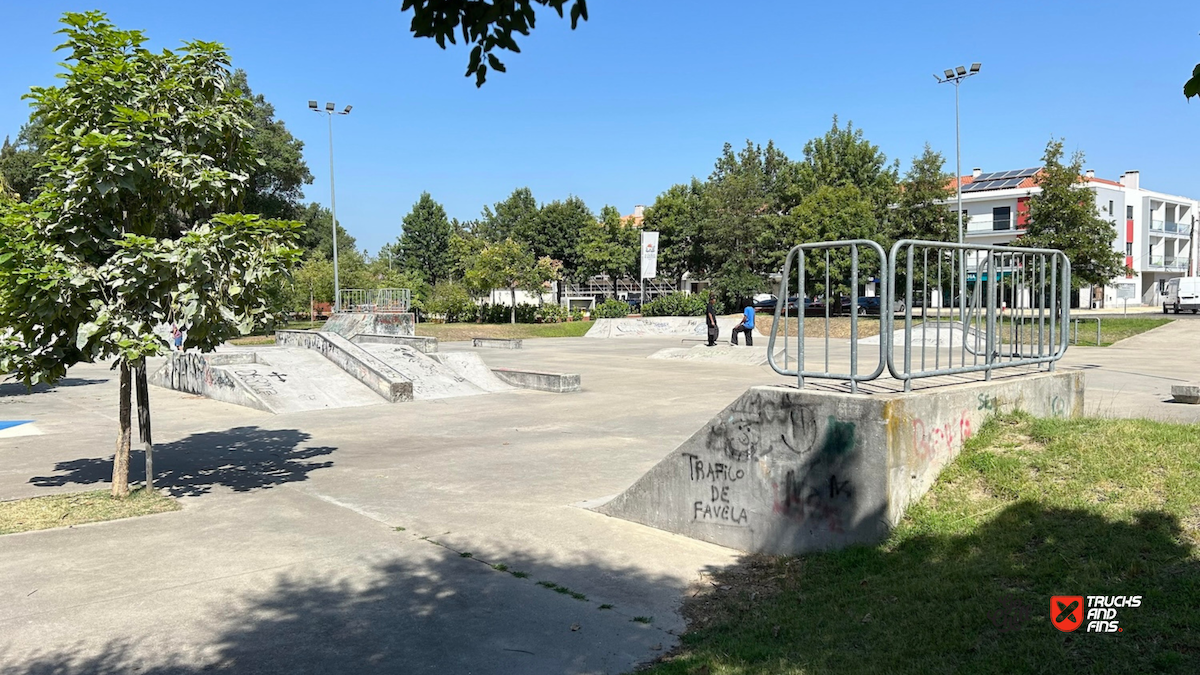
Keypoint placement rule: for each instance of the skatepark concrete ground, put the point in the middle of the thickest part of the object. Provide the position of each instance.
(288, 555)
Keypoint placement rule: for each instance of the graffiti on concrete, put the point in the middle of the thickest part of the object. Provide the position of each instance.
(839, 437)
(259, 383)
(1058, 406)
(748, 434)
(932, 440)
(817, 500)
(722, 482)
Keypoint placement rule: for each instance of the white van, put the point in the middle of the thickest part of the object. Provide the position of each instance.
(1182, 293)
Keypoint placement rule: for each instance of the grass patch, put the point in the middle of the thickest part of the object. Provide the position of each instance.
(1114, 329)
(562, 589)
(643, 619)
(518, 574)
(466, 554)
(605, 606)
(839, 326)
(399, 529)
(458, 332)
(43, 513)
(1030, 509)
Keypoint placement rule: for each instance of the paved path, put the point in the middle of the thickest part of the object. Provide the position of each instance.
(286, 557)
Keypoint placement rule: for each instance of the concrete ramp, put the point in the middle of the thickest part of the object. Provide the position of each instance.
(430, 378)
(349, 324)
(470, 367)
(678, 326)
(721, 353)
(275, 380)
(786, 471)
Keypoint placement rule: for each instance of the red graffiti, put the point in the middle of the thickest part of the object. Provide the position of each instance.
(934, 441)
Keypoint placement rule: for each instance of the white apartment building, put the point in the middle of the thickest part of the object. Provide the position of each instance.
(1152, 230)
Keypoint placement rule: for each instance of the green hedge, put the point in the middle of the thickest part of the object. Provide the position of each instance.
(612, 309)
(675, 304)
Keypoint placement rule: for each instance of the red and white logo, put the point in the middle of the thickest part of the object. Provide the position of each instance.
(1066, 612)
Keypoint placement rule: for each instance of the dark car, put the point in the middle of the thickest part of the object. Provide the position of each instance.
(866, 305)
(768, 305)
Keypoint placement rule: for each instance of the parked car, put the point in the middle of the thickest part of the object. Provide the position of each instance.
(1182, 294)
(866, 305)
(766, 304)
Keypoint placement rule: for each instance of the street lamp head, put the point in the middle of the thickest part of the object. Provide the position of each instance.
(312, 105)
(347, 110)
(949, 73)
(329, 106)
(961, 71)
(975, 67)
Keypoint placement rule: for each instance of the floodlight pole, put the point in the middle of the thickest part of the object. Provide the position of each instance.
(330, 112)
(956, 76)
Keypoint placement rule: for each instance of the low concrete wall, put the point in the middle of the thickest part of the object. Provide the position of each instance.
(371, 371)
(496, 343)
(349, 324)
(199, 374)
(560, 383)
(787, 471)
(421, 343)
(661, 325)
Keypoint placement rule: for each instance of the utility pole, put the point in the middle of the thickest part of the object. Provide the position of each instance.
(329, 110)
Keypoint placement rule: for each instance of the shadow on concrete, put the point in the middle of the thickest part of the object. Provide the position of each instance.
(432, 611)
(19, 388)
(240, 459)
(941, 603)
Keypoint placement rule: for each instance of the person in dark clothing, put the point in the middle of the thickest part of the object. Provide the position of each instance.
(710, 320)
(746, 326)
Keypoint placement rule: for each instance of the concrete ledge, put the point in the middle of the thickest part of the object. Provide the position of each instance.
(559, 383)
(420, 343)
(362, 366)
(496, 343)
(786, 471)
(1186, 393)
(199, 374)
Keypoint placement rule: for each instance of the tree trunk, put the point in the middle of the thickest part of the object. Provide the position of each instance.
(120, 477)
(143, 409)
(614, 287)
(513, 291)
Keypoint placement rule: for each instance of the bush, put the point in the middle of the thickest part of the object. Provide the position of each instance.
(675, 304)
(612, 309)
(452, 302)
(502, 313)
(551, 314)
(577, 314)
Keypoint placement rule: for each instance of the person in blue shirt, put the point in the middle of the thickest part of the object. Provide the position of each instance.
(746, 326)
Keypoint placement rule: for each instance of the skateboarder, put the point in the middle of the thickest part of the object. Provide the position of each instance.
(710, 320)
(746, 326)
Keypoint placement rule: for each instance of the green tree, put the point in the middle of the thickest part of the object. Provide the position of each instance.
(609, 247)
(832, 213)
(138, 147)
(489, 25)
(276, 183)
(19, 168)
(1192, 87)
(465, 246)
(506, 264)
(842, 156)
(1064, 216)
(676, 215)
(425, 242)
(555, 231)
(316, 233)
(747, 207)
(922, 209)
(514, 217)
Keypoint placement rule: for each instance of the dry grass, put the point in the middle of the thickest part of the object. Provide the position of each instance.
(44, 513)
(839, 326)
(458, 332)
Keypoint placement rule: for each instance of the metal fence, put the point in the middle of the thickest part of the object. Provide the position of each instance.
(827, 275)
(943, 309)
(376, 300)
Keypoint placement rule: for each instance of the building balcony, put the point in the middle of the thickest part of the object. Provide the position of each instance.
(1167, 227)
(1170, 264)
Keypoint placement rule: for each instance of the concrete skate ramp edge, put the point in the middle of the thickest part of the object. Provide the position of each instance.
(682, 326)
(349, 324)
(200, 374)
(364, 367)
(785, 471)
(430, 378)
(470, 366)
(721, 353)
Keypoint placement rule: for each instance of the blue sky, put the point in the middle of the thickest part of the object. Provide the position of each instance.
(644, 94)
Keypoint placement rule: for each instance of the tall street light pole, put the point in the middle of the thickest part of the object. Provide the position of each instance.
(330, 112)
(957, 75)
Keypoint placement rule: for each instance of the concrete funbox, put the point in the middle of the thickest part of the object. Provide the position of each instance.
(784, 470)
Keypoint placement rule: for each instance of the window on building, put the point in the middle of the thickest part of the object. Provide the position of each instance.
(1129, 212)
(1129, 249)
(1110, 208)
(1002, 218)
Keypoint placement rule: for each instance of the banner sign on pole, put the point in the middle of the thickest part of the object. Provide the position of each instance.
(649, 255)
